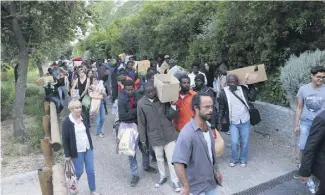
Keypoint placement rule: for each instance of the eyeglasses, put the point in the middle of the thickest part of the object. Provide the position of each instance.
(320, 77)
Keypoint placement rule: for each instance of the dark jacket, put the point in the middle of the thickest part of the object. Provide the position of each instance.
(249, 94)
(155, 121)
(126, 114)
(69, 137)
(313, 161)
(209, 91)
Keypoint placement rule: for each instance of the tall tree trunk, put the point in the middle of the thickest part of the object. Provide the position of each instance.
(20, 85)
(40, 68)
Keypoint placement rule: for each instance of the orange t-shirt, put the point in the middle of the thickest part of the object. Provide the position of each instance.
(185, 112)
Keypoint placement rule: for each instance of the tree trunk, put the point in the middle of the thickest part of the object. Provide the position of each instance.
(40, 69)
(20, 85)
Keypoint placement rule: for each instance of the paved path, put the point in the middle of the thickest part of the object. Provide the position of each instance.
(269, 159)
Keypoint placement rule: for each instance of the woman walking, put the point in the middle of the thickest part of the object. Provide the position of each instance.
(97, 108)
(77, 144)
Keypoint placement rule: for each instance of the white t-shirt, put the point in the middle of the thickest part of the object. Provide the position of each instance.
(207, 138)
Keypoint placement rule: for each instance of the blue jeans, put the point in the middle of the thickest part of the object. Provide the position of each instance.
(211, 192)
(87, 159)
(100, 118)
(134, 163)
(305, 126)
(241, 131)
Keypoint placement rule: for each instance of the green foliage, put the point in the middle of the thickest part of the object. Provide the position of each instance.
(33, 100)
(238, 33)
(271, 90)
(296, 71)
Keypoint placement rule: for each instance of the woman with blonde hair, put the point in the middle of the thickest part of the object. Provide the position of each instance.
(77, 144)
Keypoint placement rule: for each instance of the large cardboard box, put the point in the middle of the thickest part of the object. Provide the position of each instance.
(142, 66)
(251, 74)
(167, 87)
(44, 80)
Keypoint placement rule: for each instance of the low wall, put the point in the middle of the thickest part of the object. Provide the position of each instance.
(277, 121)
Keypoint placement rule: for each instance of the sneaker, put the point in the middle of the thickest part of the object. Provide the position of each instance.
(232, 164)
(177, 187)
(150, 170)
(101, 135)
(94, 193)
(134, 181)
(243, 164)
(228, 133)
(160, 182)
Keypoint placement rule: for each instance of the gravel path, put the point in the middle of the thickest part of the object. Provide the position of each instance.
(269, 159)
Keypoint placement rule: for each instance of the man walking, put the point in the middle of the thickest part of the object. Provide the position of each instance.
(185, 112)
(195, 71)
(195, 157)
(155, 122)
(234, 106)
(313, 160)
(127, 110)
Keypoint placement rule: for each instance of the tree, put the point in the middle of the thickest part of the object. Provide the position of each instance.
(25, 27)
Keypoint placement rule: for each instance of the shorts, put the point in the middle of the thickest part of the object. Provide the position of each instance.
(305, 126)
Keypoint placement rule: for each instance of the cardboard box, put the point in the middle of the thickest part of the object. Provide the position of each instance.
(44, 80)
(251, 74)
(142, 66)
(167, 87)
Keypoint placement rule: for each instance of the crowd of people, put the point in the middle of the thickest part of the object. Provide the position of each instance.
(180, 133)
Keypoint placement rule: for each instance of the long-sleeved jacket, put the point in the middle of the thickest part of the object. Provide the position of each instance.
(313, 161)
(249, 94)
(155, 122)
(69, 137)
(126, 114)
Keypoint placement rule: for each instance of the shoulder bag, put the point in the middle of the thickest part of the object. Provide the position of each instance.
(255, 117)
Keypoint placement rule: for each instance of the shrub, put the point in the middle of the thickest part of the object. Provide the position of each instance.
(271, 90)
(296, 71)
(7, 95)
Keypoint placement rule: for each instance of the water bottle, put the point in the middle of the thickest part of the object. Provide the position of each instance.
(311, 185)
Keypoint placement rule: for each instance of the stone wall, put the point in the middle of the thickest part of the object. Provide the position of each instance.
(277, 122)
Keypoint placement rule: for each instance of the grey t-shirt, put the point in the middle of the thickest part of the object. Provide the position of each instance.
(314, 101)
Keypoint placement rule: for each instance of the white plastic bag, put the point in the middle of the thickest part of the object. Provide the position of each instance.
(70, 177)
(128, 138)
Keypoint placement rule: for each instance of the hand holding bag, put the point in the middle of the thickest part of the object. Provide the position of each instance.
(70, 177)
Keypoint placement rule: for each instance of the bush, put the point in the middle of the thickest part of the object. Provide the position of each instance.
(7, 98)
(271, 90)
(296, 71)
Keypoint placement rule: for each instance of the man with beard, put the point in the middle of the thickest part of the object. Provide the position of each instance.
(155, 124)
(234, 104)
(185, 112)
(127, 110)
(201, 87)
(195, 157)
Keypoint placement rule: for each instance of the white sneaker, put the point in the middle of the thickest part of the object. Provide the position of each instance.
(101, 135)
(232, 164)
(94, 193)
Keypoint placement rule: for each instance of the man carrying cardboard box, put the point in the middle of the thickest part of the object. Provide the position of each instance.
(184, 103)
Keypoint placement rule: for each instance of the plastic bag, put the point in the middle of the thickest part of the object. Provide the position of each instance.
(70, 178)
(128, 139)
